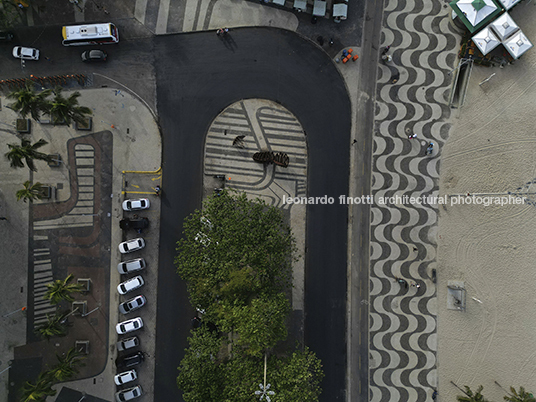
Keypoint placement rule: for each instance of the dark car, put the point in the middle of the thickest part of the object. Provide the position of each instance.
(94, 55)
(136, 223)
(129, 361)
(6, 36)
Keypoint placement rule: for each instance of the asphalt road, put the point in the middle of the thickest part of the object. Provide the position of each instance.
(198, 75)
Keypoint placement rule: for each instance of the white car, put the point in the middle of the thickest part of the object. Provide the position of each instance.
(26, 53)
(129, 394)
(131, 245)
(127, 343)
(129, 326)
(133, 304)
(127, 267)
(136, 205)
(127, 376)
(130, 285)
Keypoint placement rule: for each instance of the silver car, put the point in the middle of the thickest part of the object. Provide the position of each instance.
(133, 304)
(130, 285)
(129, 394)
(127, 267)
(127, 343)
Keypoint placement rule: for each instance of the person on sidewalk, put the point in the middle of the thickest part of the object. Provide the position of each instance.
(385, 49)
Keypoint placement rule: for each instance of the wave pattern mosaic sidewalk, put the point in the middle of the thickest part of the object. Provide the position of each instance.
(411, 98)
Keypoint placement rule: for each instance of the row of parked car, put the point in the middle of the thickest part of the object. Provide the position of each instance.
(125, 364)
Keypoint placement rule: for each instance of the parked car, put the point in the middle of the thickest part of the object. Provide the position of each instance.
(127, 267)
(26, 53)
(129, 394)
(6, 36)
(133, 304)
(127, 376)
(136, 204)
(135, 223)
(129, 326)
(94, 55)
(131, 245)
(129, 361)
(127, 343)
(130, 285)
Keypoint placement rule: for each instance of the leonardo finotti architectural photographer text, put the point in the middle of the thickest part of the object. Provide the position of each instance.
(407, 200)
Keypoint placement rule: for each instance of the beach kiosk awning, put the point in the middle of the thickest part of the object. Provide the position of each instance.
(517, 44)
(340, 11)
(319, 8)
(504, 26)
(508, 4)
(486, 40)
(476, 14)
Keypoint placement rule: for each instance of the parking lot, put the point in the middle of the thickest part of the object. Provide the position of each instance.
(145, 256)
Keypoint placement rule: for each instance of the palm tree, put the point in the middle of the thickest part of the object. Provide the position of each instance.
(472, 397)
(53, 327)
(28, 152)
(30, 192)
(65, 110)
(67, 366)
(61, 290)
(521, 396)
(38, 391)
(27, 101)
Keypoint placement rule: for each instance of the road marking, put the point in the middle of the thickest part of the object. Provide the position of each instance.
(140, 10)
(163, 14)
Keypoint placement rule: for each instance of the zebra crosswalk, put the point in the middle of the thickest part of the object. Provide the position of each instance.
(42, 274)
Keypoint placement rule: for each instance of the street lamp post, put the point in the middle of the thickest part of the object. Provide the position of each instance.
(264, 392)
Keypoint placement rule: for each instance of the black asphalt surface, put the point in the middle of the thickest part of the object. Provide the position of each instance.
(198, 75)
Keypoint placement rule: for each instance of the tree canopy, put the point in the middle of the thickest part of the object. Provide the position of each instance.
(236, 258)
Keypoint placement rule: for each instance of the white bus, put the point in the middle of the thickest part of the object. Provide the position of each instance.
(90, 34)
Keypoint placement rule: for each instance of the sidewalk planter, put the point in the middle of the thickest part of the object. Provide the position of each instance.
(56, 160)
(47, 192)
(81, 306)
(82, 346)
(86, 126)
(86, 282)
(24, 126)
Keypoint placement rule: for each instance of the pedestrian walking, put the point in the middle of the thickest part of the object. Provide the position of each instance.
(385, 49)
(411, 136)
(218, 32)
(434, 395)
(225, 31)
(331, 42)
(430, 148)
(387, 57)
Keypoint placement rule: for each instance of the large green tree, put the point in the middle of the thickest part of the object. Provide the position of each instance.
(38, 390)
(28, 152)
(234, 249)
(65, 110)
(519, 396)
(199, 371)
(62, 290)
(10, 14)
(30, 192)
(30, 102)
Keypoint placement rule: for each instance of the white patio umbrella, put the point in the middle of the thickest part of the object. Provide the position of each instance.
(486, 40)
(476, 10)
(517, 44)
(504, 26)
(508, 4)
